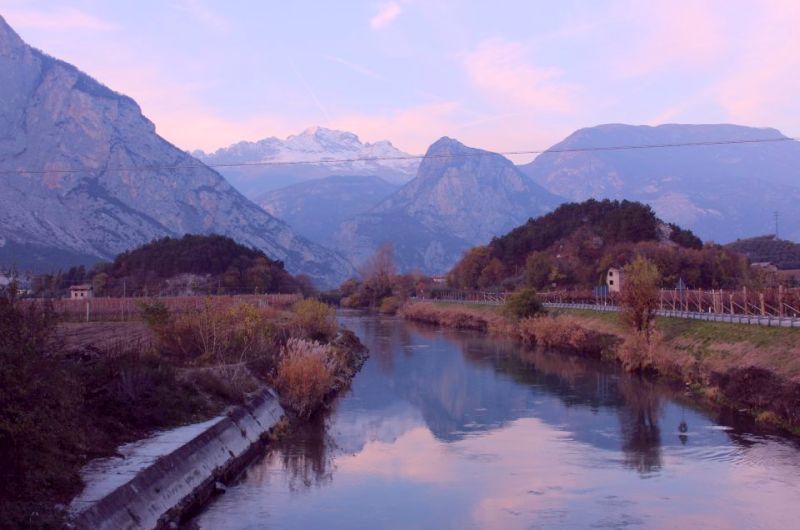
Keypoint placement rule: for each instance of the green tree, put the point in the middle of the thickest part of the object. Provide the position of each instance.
(640, 294)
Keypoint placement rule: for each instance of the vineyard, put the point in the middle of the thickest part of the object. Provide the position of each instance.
(125, 309)
(772, 307)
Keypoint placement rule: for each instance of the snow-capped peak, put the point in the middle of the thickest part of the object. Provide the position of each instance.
(323, 148)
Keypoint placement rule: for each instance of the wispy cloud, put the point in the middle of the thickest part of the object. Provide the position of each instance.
(205, 15)
(363, 70)
(57, 19)
(501, 69)
(386, 14)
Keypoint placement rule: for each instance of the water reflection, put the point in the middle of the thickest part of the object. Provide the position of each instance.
(458, 430)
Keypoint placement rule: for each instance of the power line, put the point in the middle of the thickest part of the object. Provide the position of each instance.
(479, 153)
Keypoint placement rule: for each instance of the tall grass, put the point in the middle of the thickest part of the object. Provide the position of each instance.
(564, 333)
(458, 317)
(306, 374)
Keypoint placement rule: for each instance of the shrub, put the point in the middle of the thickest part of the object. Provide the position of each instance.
(218, 334)
(40, 431)
(154, 314)
(390, 305)
(314, 320)
(524, 303)
(305, 375)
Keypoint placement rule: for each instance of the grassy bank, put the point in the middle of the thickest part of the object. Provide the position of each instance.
(68, 396)
(748, 367)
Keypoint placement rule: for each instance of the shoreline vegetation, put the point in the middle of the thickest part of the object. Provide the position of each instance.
(752, 369)
(64, 403)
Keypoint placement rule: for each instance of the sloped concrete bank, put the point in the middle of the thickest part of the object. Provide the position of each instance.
(185, 478)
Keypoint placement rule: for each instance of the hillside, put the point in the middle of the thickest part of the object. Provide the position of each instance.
(783, 254)
(315, 208)
(317, 144)
(85, 177)
(460, 197)
(575, 244)
(189, 265)
(721, 192)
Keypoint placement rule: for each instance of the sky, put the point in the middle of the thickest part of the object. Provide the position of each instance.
(501, 75)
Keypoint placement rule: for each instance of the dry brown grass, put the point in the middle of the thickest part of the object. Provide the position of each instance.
(459, 317)
(306, 374)
(562, 332)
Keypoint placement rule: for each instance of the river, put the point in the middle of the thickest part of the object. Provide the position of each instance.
(450, 429)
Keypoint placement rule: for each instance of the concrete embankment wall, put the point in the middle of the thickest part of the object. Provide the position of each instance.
(186, 476)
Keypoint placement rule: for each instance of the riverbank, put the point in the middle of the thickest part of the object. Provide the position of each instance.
(73, 393)
(753, 369)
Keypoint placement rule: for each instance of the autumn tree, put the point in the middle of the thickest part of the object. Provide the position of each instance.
(377, 273)
(640, 294)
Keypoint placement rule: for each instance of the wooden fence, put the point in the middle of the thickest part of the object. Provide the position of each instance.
(106, 309)
(770, 307)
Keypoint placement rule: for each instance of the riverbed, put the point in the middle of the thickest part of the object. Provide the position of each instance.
(452, 429)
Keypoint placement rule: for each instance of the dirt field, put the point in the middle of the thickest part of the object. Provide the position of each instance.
(108, 336)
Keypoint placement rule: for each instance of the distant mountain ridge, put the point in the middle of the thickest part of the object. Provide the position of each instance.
(63, 138)
(315, 208)
(781, 253)
(323, 150)
(460, 197)
(721, 192)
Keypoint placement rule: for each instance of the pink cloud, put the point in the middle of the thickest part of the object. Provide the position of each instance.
(671, 34)
(385, 15)
(410, 128)
(500, 69)
(763, 87)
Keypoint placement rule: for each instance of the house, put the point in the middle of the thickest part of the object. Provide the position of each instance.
(80, 292)
(439, 280)
(614, 280)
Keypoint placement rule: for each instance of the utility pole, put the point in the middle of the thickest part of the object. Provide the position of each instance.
(776, 224)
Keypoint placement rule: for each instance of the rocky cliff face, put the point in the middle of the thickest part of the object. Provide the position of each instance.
(316, 207)
(460, 197)
(721, 192)
(83, 172)
(326, 148)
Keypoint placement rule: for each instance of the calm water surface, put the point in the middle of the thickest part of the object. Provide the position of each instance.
(446, 429)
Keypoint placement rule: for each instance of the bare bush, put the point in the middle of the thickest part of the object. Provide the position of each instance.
(218, 334)
(314, 320)
(306, 373)
(642, 352)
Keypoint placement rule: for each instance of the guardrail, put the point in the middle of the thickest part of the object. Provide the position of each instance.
(756, 320)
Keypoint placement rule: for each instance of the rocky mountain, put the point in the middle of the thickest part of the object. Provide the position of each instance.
(83, 174)
(721, 192)
(316, 207)
(460, 197)
(318, 145)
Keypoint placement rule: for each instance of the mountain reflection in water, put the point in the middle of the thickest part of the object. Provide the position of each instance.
(446, 429)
